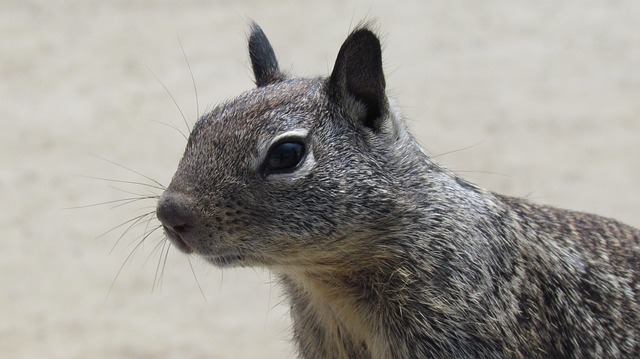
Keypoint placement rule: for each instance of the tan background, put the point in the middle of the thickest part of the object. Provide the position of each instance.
(536, 98)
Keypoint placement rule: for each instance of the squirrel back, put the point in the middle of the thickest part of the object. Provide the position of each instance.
(382, 252)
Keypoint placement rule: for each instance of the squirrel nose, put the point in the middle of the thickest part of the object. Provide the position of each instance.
(176, 217)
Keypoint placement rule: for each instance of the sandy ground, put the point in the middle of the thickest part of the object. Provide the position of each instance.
(528, 98)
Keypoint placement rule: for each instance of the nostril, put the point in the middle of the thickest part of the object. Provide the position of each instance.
(174, 212)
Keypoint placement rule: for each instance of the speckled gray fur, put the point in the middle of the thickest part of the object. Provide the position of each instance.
(382, 252)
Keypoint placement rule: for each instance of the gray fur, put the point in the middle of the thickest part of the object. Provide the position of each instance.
(382, 252)
(263, 59)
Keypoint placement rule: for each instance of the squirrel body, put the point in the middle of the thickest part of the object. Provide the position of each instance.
(382, 252)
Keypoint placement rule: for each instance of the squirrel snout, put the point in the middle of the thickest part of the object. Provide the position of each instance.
(177, 220)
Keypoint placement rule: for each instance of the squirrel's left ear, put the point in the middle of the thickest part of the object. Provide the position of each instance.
(263, 59)
(357, 76)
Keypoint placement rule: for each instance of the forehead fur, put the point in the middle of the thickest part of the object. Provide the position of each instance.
(264, 110)
(231, 137)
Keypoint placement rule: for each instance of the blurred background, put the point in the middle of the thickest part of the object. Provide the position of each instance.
(536, 99)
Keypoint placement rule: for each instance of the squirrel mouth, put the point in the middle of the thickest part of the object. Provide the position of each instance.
(177, 240)
(176, 236)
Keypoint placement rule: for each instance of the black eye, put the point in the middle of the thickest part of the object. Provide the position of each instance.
(285, 155)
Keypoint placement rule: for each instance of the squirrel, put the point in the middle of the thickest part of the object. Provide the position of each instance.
(383, 253)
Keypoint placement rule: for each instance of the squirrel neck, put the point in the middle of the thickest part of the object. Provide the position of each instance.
(382, 299)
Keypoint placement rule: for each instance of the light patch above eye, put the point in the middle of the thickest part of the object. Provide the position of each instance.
(297, 133)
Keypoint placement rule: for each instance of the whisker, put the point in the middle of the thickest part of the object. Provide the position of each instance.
(151, 218)
(456, 150)
(184, 118)
(124, 263)
(133, 171)
(134, 200)
(193, 80)
(161, 243)
(171, 125)
(164, 265)
(161, 188)
(136, 194)
(125, 200)
(196, 278)
(484, 172)
(221, 277)
(137, 218)
(144, 190)
(134, 224)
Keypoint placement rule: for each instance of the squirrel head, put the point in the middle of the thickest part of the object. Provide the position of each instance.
(295, 172)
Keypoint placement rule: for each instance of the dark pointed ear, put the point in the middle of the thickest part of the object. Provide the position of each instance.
(263, 59)
(357, 75)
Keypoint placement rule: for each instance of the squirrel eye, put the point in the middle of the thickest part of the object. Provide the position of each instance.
(285, 155)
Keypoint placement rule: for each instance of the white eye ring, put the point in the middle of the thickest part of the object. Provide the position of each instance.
(303, 169)
(300, 133)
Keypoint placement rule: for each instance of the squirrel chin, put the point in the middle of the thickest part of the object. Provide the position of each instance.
(225, 260)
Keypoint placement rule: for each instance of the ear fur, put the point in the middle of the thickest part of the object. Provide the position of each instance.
(358, 75)
(263, 59)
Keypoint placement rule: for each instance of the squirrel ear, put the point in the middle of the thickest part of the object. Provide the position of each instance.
(263, 59)
(357, 75)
